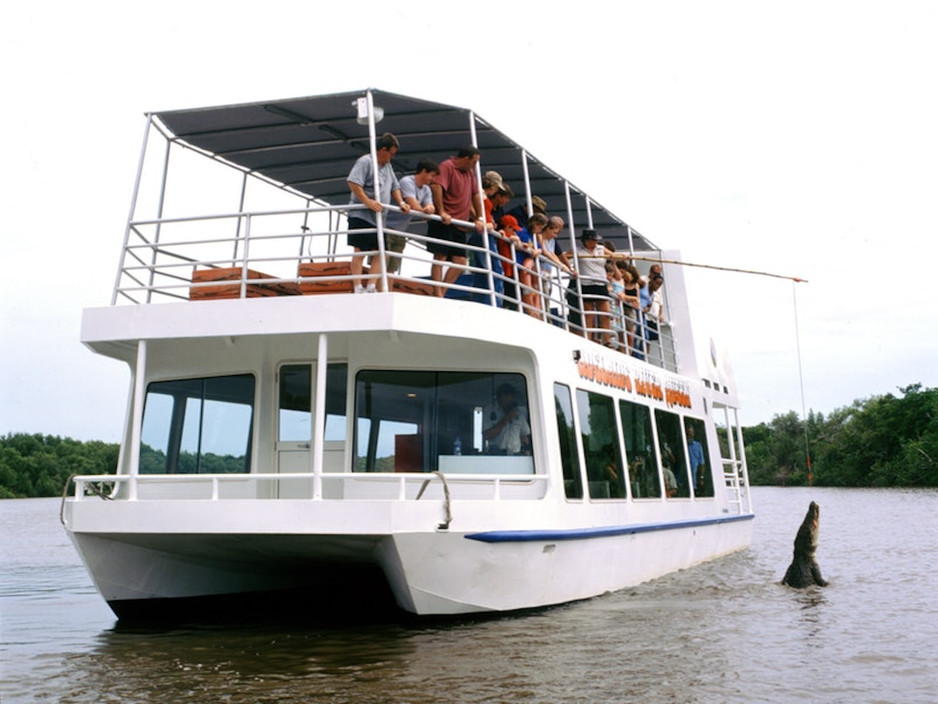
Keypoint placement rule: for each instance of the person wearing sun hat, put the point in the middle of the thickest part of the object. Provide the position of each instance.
(591, 262)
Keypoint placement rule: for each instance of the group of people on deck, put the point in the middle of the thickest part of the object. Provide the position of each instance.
(526, 244)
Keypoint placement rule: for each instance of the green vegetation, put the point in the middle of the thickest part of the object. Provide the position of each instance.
(39, 465)
(881, 441)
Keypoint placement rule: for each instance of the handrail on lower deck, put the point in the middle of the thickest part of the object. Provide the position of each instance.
(402, 480)
(265, 253)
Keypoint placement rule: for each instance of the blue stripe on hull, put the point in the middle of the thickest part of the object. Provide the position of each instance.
(525, 536)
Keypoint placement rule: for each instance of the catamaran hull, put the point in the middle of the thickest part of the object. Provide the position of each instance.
(428, 573)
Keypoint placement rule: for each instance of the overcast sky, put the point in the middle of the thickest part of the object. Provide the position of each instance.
(799, 138)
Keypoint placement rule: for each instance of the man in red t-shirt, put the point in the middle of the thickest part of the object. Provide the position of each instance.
(455, 197)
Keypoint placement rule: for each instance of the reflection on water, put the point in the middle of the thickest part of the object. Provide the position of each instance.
(727, 631)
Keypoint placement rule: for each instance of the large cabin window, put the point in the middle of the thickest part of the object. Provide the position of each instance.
(640, 450)
(198, 426)
(420, 421)
(673, 461)
(569, 458)
(606, 479)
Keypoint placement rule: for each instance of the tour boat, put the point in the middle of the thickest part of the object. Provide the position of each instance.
(287, 435)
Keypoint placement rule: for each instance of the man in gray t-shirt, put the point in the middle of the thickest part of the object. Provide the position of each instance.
(415, 188)
(361, 183)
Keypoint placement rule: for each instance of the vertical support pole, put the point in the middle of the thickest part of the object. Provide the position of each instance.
(319, 414)
(576, 261)
(244, 262)
(529, 201)
(490, 274)
(304, 228)
(379, 217)
(529, 197)
(133, 208)
(136, 426)
(565, 305)
(244, 188)
(159, 224)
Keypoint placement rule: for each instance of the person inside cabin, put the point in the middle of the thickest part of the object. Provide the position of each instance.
(505, 429)
(362, 236)
(456, 197)
(644, 476)
(696, 457)
(415, 188)
(667, 463)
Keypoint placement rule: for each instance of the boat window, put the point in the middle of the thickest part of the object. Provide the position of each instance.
(605, 477)
(420, 421)
(698, 457)
(295, 417)
(673, 460)
(640, 450)
(569, 458)
(198, 426)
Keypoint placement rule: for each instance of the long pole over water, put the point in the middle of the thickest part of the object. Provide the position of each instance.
(719, 268)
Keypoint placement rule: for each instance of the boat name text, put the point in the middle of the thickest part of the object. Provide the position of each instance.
(616, 375)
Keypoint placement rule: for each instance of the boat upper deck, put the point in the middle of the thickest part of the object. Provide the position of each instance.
(252, 201)
(240, 225)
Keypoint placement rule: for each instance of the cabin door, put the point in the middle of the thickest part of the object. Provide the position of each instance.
(296, 389)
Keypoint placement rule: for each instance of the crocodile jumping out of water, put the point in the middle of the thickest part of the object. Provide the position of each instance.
(803, 570)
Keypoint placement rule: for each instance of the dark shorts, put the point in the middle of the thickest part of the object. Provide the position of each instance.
(453, 240)
(594, 291)
(365, 241)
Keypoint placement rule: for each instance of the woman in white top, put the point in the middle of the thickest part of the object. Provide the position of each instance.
(591, 262)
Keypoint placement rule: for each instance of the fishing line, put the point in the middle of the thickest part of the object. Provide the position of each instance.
(804, 415)
(794, 291)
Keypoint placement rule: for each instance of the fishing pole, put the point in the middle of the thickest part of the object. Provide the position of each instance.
(794, 280)
(623, 255)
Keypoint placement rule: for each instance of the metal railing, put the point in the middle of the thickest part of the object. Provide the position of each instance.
(397, 486)
(735, 469)
(263, 252)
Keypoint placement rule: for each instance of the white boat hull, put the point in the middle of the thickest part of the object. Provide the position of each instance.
(450, 574)
(438, 572)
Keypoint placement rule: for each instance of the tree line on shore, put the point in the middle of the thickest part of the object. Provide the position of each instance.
(888, 440)
(881, 441)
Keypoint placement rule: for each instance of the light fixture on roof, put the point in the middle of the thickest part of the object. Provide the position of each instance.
(361, 105)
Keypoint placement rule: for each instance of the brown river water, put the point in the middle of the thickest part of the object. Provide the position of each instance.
(726, 631)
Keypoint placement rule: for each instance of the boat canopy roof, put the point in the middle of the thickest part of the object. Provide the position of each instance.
(307, 145)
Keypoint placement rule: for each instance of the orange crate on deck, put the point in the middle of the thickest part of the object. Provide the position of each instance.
(233, 290)
(414, 286)
(311, 269)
